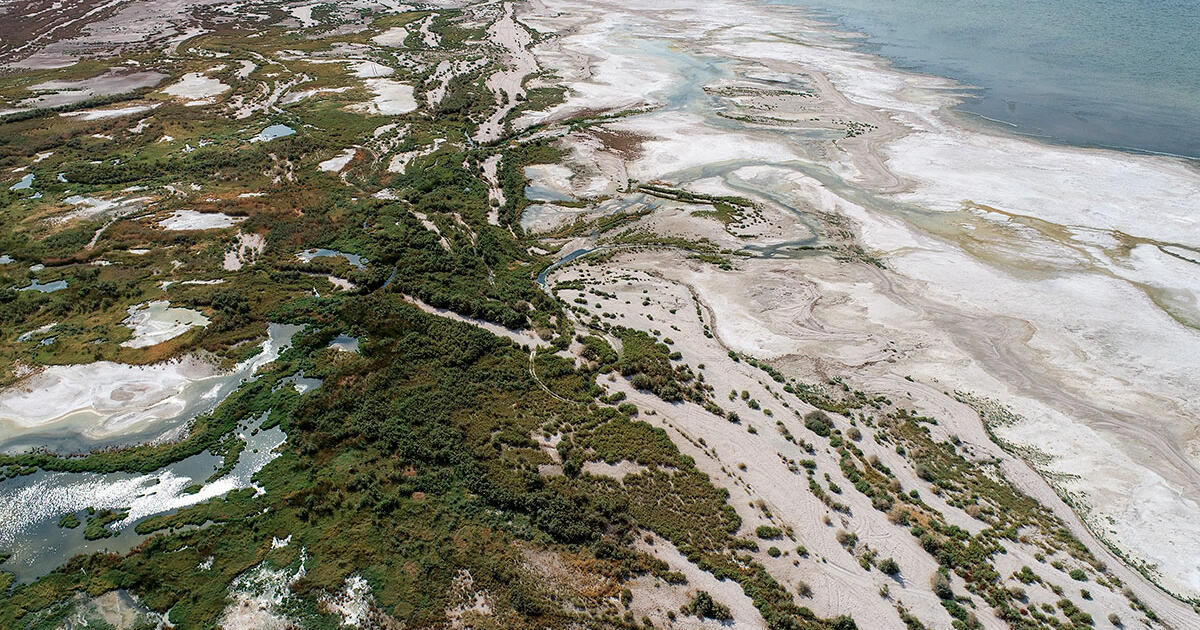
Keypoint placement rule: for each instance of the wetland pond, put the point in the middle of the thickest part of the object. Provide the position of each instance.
(356, 261)
(31, 506)
(44, 515)
(273, 132)
(84, 407)
(49, 287)
(25, 183)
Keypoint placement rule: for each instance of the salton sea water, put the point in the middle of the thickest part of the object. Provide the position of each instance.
(1110, 73)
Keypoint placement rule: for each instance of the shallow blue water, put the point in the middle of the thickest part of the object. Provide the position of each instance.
(49, 287)
(24, 184)
(356, 261)
(1113, 73)
(273, 132)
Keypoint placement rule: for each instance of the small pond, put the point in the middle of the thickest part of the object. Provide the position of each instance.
(273, 132)
(358, 262)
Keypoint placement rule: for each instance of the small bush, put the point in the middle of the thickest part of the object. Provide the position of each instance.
(704, 607)
(767, 532)
(941, 586)
(1026, 575)
(674, 577)
(925, 472)
(818, 422)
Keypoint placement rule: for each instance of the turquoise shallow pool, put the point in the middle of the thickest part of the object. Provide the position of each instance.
(1114, 73)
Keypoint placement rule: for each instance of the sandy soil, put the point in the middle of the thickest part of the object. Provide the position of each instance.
(89, 208)
(192, 220)
(61, 92)
(197, 89)
(391, 98)
(445, 71)
(521, 337)
(394, 37)
(495, 192)
(1011, 266)
(653, 598)
(338, 162)
(257, 599)
(507, 84)
(247, 248)
(116, 608)
(113, 112)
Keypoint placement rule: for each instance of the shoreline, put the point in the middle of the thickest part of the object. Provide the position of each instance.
(963, 121)
(838, 23)
(1015, 130)
(1028, 251)
(970, 120)
(106, 404)
(782, 317)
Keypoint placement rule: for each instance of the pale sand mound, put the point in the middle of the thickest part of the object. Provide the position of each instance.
(338, 162)
(119, 609)
(248, 247)
(394, 36)
(392, 98)
(353, 603)
(619, 470)
(65, 92)
(370, 70)
(196, 89)
(102, 114)
(193, 220)
(87, 208)
(258, 597)
(522, 337)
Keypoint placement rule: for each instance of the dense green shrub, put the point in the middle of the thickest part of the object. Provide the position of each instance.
(768, 532)
(703, 606)
(889, 566)
(818, 422)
